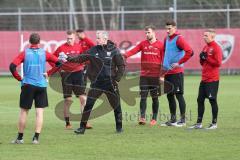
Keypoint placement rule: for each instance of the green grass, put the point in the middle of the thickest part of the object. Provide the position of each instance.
(137, 142)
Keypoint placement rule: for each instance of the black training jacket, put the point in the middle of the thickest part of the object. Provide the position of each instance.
(105, 63)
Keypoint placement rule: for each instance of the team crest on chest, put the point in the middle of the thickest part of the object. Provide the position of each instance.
(108, 53)
(210, 51)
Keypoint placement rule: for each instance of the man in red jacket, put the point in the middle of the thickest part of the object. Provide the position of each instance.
(72, 76)
(151, 60)
(211, 60)
(33, 85)
(84, 41)
(177, 52)
(86, 44)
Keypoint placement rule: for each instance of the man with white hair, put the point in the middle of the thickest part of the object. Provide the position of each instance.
(105, 69)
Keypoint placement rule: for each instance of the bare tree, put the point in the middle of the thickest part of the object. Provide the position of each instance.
(74, 16)
(114, 20)
(42, 17)
(94, 16)
(58, 21)
(201, 16)
(85, 16)
(102, 15)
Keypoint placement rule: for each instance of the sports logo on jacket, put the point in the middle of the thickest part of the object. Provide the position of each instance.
(226, 42)
(108, 54)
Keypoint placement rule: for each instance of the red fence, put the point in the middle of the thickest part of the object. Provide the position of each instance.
(229, 39)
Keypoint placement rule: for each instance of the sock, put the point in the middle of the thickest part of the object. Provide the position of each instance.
(172, 106)
(67, 121)
(214, 105)
(201, 109)
(20, 136)
(155, 106)
(182, 105)
(143, 106)
(36, 135)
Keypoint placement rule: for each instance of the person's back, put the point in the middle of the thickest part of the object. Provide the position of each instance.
(33, 84)
(34, 66)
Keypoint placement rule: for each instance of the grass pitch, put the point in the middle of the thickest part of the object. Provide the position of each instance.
(136, 142)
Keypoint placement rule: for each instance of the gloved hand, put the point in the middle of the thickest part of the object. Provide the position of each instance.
(58, 63)
(62, 57)
(203, 56)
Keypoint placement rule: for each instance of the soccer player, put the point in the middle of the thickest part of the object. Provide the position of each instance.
(151, 60)
(177, 52)
(72, 76)
(211, 60)
(105, 69)
(33, 85)
(86, 44)
(84, 41)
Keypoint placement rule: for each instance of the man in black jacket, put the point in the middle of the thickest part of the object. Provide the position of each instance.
(105, 69)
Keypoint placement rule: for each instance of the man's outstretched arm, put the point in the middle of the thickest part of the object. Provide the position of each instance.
(79, 58)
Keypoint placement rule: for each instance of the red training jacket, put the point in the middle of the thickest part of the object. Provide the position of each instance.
(74, 50)
(210, 67)
(151, 57)
(86, 44)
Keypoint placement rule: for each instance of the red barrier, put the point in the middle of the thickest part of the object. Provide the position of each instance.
(229, 39)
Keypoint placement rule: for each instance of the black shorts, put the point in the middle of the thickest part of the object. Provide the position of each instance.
(177, 81)
(208, 90)
(73, 82)
(30, 93)
(149, 84)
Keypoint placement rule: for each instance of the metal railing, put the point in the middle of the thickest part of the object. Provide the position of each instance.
(124, 19)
